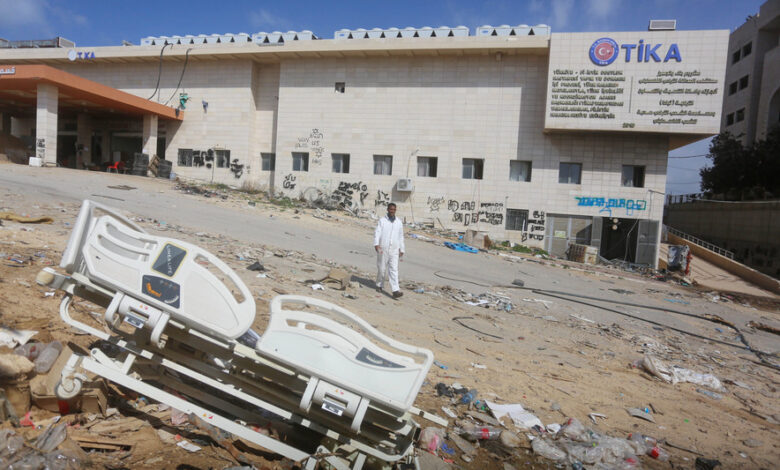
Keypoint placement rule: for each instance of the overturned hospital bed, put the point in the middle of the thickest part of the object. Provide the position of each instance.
(179, 322)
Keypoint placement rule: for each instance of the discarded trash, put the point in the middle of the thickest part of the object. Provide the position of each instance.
(716, 396)
(256, 266)
(448, 411)
(461, 247)
(442, 389)
(317, 287)
(431, 439)
(188, 446)
(678, 301)
(469, 396)
(519, 416)
(479, 433)
(30, 350)
(178, 417)
(47, 357)
(593, 417)
(518, 282)
(675, 374)
(642, 414)
(478, 366)
(440, 365)
(10, 337)
(51, 438)
(547, 450)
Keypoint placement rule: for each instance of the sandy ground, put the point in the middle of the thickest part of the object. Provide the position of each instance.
(539, 354)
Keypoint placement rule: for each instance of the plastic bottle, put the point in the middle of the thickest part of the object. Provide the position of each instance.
(469, 396)
(547, 449)
(477, 433)
(29, 350)
(643, 443)
(47, 357)
(658, 453)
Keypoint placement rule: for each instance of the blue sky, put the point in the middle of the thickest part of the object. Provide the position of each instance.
(107, 23)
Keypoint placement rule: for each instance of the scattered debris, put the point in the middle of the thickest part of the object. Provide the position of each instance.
(642, 414)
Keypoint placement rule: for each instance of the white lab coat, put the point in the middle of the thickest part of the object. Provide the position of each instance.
(389, 236)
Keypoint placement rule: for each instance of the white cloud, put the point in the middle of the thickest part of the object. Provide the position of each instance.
(29, 13)
(265, 19)
(561, 12)
(34, 18)
(601, 9)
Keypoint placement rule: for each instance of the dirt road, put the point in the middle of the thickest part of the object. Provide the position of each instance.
(551, 352)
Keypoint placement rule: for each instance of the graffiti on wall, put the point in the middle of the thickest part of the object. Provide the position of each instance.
(314, 143)
(350, 195)
(289, 181)
(236, 168)
(463, 212)
(607, 205)
(491, 212)
(435, 203)
(534, 227)
(382, 198)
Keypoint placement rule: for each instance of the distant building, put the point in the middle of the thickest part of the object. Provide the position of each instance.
(542, 139)
(751, 102)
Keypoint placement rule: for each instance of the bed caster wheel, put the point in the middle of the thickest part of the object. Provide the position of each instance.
(68, 388)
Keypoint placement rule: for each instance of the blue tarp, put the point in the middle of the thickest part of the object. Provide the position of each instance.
(461, 247)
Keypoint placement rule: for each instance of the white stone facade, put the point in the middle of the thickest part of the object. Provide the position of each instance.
(477, 98)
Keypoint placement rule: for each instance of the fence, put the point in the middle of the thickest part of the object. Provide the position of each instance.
(698, 241)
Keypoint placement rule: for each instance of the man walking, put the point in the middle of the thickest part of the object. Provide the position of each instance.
(389, 246)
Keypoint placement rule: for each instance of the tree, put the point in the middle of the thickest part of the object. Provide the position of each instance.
(743, 172)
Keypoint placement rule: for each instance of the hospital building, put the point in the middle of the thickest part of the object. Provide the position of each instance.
(541, 138)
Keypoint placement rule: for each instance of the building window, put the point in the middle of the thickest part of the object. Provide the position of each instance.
(222, 158)
(427, 166)
(185, 157)
(300, 161)
(517, 219)
(740, 115)
(340, 162)
(730, 119)
(743, 82)
(733, 88)
(747, 49)
(268, 161)
(519, 170)
(633, 176)
(735, 57)
(383, 164)
(340, 87)
(569, 173)
(472, 168)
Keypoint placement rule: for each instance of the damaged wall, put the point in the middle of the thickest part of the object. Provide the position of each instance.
(451, 108)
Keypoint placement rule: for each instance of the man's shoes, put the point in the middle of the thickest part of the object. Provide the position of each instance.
(397, 294)
(379, 289)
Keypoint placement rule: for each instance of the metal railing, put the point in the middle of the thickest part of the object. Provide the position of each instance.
(698, 241)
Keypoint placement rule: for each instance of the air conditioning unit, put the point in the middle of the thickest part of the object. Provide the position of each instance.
(404, 184)
(662, 25)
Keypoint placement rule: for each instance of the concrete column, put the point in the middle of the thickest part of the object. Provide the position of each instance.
(150, 135)
(83, 140)
(46, 124)
(6, 123)
(105, 145)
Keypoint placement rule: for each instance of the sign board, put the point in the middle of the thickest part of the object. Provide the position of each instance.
(648, 81)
